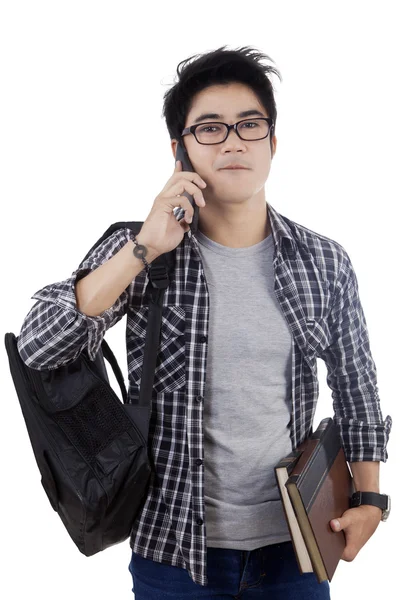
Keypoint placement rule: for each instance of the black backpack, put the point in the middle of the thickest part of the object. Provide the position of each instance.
(91, 448)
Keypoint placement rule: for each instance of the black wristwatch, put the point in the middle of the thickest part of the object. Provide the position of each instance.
(382, 501)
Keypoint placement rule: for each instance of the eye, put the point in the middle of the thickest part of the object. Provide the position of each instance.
(250, 123)
(207, 128)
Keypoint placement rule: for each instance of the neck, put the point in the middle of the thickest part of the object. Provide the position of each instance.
(235, 226)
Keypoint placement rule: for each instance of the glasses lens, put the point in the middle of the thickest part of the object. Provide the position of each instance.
(210, 133)
(253, 129)
(214, 133)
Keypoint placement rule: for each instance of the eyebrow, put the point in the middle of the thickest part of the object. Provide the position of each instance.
(245, 113)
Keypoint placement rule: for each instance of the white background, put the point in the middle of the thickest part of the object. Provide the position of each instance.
(82, 82)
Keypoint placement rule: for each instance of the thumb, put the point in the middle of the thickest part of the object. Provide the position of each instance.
(336, 524)
(178, 165)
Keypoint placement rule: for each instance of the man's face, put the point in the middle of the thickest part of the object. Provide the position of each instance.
(228, 185)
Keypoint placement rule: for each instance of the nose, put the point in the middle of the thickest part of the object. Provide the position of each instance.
(233, 139)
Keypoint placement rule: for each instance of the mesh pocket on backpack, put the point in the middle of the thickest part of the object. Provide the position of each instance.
(94, 423)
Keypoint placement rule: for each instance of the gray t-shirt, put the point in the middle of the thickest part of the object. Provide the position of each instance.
(248, 395)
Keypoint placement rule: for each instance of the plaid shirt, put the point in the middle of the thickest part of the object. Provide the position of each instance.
(317, 290)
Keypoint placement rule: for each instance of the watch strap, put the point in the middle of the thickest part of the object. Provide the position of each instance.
(373, 498)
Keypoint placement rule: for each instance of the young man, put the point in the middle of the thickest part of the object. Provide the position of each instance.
(254, 300)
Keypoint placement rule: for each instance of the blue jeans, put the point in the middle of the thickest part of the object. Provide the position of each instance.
(267, 573)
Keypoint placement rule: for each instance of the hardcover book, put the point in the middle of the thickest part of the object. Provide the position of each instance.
(316, 485)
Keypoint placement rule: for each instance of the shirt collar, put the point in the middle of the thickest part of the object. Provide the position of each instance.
(282, 232)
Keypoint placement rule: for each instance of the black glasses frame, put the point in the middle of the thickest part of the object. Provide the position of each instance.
(192, 129)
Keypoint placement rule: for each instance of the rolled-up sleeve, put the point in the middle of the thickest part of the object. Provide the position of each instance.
(54, 332)
(352, 375)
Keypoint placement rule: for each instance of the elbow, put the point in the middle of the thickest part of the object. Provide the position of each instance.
(34, 357)
(51, 338)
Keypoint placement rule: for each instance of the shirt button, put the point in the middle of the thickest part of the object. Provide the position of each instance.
(199, 521)
(203, 338)
(199, 398)
(198, 461)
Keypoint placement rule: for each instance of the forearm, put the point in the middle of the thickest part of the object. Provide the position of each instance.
(365, 476)
(100, 289)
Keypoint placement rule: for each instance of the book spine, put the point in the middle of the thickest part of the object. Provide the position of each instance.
(324, 425)
(289, 461)
(315, 441)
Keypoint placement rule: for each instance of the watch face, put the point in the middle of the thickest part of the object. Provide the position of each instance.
(355, 500)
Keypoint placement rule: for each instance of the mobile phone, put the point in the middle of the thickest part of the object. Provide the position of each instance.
(182, 155)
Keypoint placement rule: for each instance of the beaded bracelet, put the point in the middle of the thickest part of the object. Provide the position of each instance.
(140, 251)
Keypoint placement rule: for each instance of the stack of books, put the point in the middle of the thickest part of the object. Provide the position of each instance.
(316, 485)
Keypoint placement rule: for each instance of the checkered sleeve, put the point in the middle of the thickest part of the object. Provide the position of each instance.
(54, 332)
(352, 375)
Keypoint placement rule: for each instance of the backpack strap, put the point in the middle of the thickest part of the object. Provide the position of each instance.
(159, 279)
(110, 357)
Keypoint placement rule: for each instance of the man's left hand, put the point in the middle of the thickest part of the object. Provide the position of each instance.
(358, 524)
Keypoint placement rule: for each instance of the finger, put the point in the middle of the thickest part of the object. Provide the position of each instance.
(349, 553)
(178, 171)
(182, 186)
(187, 207)
(335, 525)
(185, 225)
(173, 202)
(186, 204)
(342, 522)
(195, 177)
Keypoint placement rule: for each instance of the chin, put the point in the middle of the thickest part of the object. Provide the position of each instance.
(235, 198)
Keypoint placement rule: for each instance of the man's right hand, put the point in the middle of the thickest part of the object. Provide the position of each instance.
(161, 232)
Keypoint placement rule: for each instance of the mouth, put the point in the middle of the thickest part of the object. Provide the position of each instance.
(234, 169)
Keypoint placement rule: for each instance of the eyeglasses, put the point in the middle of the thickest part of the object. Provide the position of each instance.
(214, 132)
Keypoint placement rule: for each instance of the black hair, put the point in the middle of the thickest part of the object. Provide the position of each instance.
(217, 68)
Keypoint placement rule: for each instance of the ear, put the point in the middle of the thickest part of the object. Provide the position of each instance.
(274, 143)
(174, 146)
